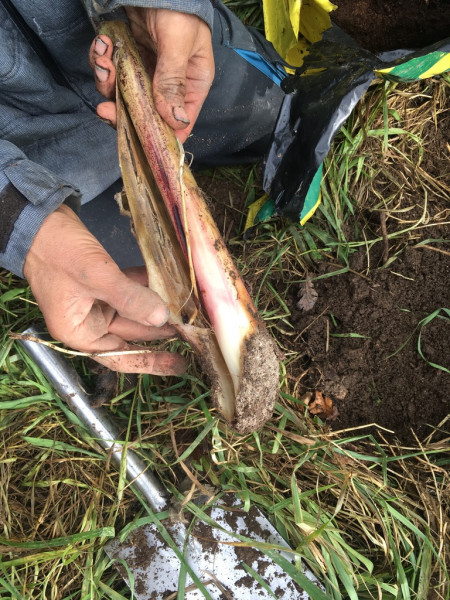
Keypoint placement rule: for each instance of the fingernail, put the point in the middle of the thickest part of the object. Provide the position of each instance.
(100, 47)
(179, 114)
(158, 317)
(101, 73)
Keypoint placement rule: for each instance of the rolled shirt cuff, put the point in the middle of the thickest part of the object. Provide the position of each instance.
(40, 192)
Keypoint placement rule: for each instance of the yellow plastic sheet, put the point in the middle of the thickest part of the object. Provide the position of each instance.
(291, 25)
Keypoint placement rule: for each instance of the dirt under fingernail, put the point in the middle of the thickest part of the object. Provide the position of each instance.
(180, 115)
(100, 46)
(101, 74)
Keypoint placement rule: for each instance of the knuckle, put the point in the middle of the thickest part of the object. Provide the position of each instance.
(174, 87)
(130, 300)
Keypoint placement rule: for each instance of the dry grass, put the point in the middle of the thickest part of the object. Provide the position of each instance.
(393, 160)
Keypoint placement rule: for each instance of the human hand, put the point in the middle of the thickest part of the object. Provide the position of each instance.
(89, 304)
(177, 50)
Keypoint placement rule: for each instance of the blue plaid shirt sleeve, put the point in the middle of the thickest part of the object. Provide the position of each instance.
(28, 194)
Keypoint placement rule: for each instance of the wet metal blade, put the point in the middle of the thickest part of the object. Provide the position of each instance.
(213, 556)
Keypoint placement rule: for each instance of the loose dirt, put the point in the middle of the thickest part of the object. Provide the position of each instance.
(389, 25)
(379, 376)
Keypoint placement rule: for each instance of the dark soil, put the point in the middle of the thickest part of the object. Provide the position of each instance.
(392, 24)
(380, 377)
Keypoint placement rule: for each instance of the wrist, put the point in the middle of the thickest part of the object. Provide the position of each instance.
(44, 247)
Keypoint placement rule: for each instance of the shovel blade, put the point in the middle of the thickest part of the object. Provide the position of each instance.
(210, 553)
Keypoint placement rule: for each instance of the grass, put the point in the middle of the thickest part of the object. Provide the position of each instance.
(369, 517)
(381, 164)
(365, 515)
(249, 11)
(428, 319)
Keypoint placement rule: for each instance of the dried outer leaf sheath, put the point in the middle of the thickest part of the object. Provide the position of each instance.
(153, 229)
(167, 270)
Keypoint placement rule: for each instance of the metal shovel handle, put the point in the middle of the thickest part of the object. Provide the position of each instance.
(97, 421)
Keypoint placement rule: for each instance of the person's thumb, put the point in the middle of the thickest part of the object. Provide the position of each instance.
(131, 299)
(169, 88)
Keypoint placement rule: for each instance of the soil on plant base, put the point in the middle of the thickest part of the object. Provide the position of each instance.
(380, 25)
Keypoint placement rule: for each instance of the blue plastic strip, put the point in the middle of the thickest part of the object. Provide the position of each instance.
(274, 72)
